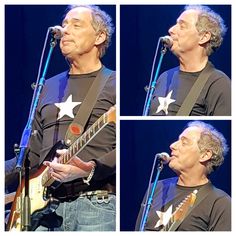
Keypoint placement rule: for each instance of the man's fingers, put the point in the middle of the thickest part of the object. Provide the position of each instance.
(61, 151)
(54, 165)
(56, 176)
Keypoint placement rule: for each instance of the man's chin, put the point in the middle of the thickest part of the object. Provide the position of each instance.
(174, 51)
(66, 51)
(67, 55)
(173, 168)
(172, 165)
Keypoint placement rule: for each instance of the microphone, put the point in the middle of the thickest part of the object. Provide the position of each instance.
(164, 157)
(167, 41)
(57, 31)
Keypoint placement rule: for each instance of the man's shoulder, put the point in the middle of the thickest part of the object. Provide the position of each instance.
(217, 74)
(108, 69)
(218, 82)
(220, 74)
(219, 193)
(218, 198)
(170, 72)
(57, 78)
(111, 77)
(168, 182)
(166, 186)
(112, 73)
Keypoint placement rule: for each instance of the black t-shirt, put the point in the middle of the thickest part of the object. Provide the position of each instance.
(174, 85)
(60, 100)
(212, 214)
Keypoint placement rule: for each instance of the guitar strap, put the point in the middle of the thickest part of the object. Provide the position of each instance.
(201, 194)
(195, 91)
(76, 127)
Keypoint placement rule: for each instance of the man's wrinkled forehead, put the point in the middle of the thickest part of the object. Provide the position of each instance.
(79, 14)
(192, 133)
(188, 17)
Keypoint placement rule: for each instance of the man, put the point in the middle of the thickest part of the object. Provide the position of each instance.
(87, 183)
(197, 33)
(191, 199)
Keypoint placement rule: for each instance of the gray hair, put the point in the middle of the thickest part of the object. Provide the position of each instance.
(209, 21)
(101, 22)
(211, 140)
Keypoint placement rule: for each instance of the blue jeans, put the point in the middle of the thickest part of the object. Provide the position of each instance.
(87, 214)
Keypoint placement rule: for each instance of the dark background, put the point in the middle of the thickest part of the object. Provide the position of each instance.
(25, 30)
(141, 26)
(139, 142)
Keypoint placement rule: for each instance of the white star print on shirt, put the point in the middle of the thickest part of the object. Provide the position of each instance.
(66, 108)
(164, 217)
(165, 102)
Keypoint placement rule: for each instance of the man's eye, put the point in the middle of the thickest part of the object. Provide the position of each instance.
(184, 142)
(182, 26)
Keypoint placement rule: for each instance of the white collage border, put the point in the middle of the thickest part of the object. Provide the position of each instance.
(117, 3)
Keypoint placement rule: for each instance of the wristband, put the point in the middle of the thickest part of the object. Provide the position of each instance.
(90, 176)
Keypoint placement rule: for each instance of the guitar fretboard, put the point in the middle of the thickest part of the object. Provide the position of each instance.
(84, 139)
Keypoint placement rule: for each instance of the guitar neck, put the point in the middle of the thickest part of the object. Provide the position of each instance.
(81, 143)
(84, 139)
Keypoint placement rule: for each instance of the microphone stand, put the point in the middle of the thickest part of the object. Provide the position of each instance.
(149, 198)
(22, 157)
(152, 84)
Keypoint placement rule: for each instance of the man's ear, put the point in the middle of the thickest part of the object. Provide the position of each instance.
(206, 156)
(101, 37)
(204, 38)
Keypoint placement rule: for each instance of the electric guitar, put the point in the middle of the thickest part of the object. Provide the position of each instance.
(41, 201)
(180, 212)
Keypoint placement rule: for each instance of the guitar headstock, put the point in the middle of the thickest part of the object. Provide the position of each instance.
(184, 206)
(111, 114)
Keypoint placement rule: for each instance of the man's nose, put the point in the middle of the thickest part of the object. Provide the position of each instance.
(173, 146)
(66, 29)
(171, 29)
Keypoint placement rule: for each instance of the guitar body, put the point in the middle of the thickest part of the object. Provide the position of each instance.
(41, 202)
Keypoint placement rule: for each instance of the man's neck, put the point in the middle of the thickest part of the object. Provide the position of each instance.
(82, 65)
(190, 181)
(193, 63)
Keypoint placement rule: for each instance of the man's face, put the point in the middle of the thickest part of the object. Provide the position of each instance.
(184, 33)
(185, 153)
(79, 37)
